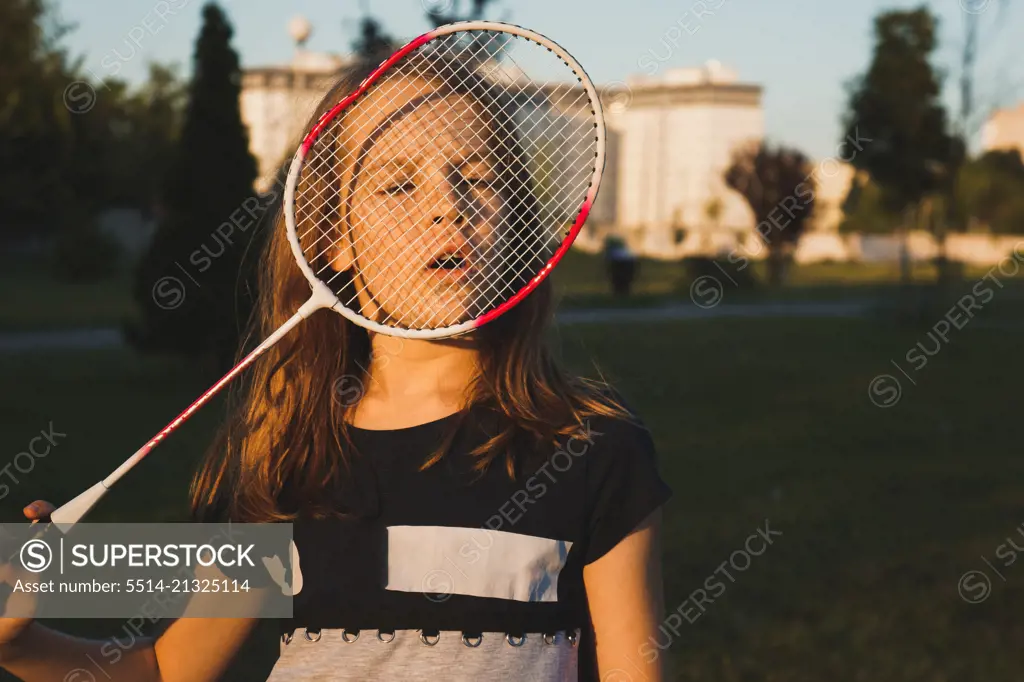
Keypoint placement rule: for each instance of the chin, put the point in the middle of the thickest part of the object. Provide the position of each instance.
(437, 314)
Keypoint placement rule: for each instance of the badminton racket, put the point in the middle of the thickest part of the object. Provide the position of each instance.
(437, 195)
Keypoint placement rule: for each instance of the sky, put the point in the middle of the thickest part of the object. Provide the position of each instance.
(802, 52)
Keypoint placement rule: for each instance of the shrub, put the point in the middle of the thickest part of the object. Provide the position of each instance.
(82, 253)
(738, 274)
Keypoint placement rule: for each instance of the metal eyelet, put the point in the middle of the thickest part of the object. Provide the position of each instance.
(513, 641)
(345, 638)
(550, 639)
(318, 635)
(381, 639)
(466, 639)
(573, 637)
(287, 638)
(426, 640)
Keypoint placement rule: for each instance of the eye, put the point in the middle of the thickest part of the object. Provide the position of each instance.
(478, 175)
(480, 180)
(398, 189)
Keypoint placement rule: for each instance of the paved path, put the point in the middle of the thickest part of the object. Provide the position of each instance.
(111, 337)
(732, 310)
(65, 339)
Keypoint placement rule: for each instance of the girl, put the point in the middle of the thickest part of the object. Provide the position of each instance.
(462, 509)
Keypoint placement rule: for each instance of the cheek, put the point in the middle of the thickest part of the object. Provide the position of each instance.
(494, 209)
(333, 249)
(379, 245)
(490, 218)
(365, 221)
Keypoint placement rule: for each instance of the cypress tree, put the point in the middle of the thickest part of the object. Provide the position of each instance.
(192, 286)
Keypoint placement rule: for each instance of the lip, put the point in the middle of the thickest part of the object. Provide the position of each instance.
(456, 274)
(459, 274)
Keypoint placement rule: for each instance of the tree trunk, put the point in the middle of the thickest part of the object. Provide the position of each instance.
(776, 265)
(904, 247)
(943, 271)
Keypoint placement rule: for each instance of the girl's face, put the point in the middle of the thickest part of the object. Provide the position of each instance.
(422, 197)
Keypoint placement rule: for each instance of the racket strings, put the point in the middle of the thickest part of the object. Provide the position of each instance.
(510, 151)
(330, 151)
(539, 252)
(552, 209)
(493, 290)
(521, 90)
(545, 150)
(561, 133)
(505, 186)
(475, 252)
(380, 110)
(490, 90)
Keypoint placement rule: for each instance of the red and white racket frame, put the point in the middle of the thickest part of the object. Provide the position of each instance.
(323, 297)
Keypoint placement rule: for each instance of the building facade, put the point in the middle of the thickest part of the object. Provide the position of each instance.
(1004, 130)
(276, 105)
(673, 138)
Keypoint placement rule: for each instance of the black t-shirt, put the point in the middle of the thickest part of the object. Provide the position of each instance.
(447, 548)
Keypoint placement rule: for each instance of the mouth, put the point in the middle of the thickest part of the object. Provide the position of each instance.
(449, 262)
(453, 263)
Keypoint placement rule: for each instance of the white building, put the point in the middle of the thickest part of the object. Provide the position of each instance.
(672, 137)
(832, 180)
(276, 105)
(1004, 130)
(277, 102)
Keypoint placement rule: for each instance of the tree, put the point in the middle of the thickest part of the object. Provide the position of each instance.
(777, 185)
(373, 42)
(117, 154)
(865, 212)
(991, 191)
(186, 283)
(482, 47)
(897, 104)
(972, 17)
(36, 127)
(713, 209)
(148, 130)
(956, 214)
(451, 12)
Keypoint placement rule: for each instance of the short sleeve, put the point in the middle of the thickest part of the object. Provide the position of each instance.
(623, 486)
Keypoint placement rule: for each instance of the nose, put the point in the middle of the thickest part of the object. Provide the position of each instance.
(449, 201)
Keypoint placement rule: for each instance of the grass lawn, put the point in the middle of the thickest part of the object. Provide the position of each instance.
(582, 274)
(881, 510)
(35, 301)
(581, 282)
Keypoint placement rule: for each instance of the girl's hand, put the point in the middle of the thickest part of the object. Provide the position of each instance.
(11, 628)
(39, 510)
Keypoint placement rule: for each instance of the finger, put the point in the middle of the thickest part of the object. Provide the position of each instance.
(40, 509)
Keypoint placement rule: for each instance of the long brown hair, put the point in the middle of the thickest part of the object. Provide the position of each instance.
(285, 446)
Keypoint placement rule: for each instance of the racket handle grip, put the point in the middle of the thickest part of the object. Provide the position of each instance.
(70, 513)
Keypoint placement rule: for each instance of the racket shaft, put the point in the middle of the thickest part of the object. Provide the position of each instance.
(202, 400)
(72, 512)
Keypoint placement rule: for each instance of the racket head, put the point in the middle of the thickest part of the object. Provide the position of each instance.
(445, 188)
